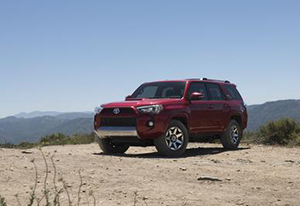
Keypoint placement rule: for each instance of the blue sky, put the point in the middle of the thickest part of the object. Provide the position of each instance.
(75, 55)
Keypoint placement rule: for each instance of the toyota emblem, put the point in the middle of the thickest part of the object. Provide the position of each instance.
(116, 111)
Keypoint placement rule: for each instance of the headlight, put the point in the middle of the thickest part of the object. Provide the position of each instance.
(152, 109)
(98, 110)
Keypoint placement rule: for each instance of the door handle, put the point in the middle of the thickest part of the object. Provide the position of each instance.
(226, 106)
(210, 106)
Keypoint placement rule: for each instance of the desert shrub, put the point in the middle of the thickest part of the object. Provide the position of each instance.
(295, 139)
(61, 139)
(54, 139)
(2, 201)
(26, 145)
(7, 145)
(251, 137)
(82, 139)
(280, 132)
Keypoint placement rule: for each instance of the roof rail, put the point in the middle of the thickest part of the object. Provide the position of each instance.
(193, 79)
(215, 80)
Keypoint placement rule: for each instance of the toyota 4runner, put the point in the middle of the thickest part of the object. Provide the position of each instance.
(169, 114)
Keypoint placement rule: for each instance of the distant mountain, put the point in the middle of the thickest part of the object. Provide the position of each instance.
(261, 114)
(75, 115)
(18, 129)
(34, 114)
(60, 115)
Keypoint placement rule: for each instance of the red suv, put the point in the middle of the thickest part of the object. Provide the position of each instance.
(169, 114)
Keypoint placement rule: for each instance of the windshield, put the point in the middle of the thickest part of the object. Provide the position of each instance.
(160, 90)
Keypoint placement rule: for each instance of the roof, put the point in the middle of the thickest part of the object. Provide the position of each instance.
(196, 79)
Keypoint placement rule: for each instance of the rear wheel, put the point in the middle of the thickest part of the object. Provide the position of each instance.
(232, 136)
(108, 148)
(174, 142)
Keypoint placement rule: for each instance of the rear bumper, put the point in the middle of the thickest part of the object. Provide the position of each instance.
(104, 132)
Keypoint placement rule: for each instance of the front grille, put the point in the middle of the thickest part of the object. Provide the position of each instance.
(124, 110)
(118, 121)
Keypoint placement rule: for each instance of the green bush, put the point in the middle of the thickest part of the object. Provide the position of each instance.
(295, 139)
(54, 139)
(61, 139)
(251, 137)
(282, 132)
(2, 201)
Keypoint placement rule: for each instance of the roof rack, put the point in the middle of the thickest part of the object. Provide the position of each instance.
(193, 79)
(215, 80)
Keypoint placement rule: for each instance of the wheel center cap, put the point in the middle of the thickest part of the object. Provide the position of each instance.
(173, 138)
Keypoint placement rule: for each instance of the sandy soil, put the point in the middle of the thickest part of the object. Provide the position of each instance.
(206, 175)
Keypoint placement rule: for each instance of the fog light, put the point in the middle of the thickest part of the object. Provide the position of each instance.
(150, 123)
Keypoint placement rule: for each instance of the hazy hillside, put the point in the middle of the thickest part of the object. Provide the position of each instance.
(61, 115)
(16, 130)
(36, 114)
(261, 114)
(75, 115)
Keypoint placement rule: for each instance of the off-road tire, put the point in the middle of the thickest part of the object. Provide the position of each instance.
(229, 138)
(108, 148)
(162, 145)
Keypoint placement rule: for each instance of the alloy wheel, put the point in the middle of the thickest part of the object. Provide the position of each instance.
(174, 138)
(234, 134)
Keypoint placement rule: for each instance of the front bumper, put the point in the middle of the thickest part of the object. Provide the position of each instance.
(104, 132)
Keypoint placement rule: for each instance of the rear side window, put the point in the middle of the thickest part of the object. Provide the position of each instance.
(233, 92)
(198, 87)
(215, 92)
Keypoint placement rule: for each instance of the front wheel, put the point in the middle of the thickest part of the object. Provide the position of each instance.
(108, 148)
(174, 142)
(232, 136)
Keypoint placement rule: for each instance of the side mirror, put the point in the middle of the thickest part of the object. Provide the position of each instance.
(196, 96)
(127, 97)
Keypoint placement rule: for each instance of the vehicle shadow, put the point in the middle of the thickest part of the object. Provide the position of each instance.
(191, 152)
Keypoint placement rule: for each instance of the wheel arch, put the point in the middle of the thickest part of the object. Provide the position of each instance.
(183, 119)
(238, 118)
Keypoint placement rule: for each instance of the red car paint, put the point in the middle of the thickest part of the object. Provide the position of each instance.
(202, 117)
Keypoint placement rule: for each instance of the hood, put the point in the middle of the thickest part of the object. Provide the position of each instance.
(142, 102)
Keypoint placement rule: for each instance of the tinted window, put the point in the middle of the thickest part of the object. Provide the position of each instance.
(233, 92)
(215, 92)
(160, 90)
(198, 87)
(149, 92)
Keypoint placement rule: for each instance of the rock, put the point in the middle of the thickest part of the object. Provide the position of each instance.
(244, 160)
(216, 161)
(211, 179)
(26, 152)
(182, 168)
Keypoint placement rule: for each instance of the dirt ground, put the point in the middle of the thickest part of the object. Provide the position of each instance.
(206, 175)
